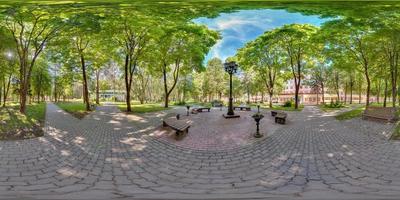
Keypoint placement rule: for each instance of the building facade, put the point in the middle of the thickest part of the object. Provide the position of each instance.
(308, 96)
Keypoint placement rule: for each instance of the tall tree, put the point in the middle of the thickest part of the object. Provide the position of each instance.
(266, 57)
(352, 37)
(388, 40)
(133, 37)
(296, 40)
(181, 48)
(32, 28)
(215, 77)
(84, 28)
(41, 80)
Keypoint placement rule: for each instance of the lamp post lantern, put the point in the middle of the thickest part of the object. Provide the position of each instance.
(231, 68)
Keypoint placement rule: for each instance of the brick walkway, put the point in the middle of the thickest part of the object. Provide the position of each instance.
(210, 131)
(111, 155)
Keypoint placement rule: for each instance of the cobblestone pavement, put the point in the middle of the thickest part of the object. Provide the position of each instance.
(211, 131)
(111, 155)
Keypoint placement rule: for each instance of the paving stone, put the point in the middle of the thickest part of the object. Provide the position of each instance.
(109, 154)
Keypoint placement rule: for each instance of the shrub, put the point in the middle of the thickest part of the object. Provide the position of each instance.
(336, 104)
(180, 103)
(216, 103)
(288, 104)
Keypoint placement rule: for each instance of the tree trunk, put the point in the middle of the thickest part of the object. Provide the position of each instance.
(83, 93)
(85, 86)
(248, 95)
(6, 90)
(97, 86)
(345, 93)
(127, 85)
(2, 85)
(55, 92)
(270, 100)
(296, 95)
(337, 86)
(38, 96)
(323, 93)
(166, 97)
(359, 90)
(368, 87)
(386, 93)
(23, 90)
(393, 74)
(379, 91)
(351, 90)
(176, 76)
(23, 95)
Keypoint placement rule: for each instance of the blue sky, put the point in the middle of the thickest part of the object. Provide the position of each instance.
(240, 27)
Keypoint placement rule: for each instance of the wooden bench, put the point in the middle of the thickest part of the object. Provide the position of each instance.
(180, 126)
(217, 104)
(275, 112)
(280, 118)
(247, 108)
(201, 109)
(387, 114)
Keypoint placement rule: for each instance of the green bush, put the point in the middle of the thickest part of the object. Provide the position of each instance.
(217, 103)
(336, 104)
(288, 104)
(180, 103)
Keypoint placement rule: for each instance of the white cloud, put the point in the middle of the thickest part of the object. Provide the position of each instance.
(240, 27)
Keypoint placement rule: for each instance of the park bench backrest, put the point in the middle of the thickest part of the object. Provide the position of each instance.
(381, 112)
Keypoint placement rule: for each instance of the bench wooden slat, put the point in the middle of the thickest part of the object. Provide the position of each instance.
(280, 117)
(180, 126)
(242, 108)
(380, 113)
(275, 112)
(201, 109)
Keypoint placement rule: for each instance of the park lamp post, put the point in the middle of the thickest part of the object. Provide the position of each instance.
(231, 68)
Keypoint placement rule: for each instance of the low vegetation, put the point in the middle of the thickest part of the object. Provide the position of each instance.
(76, 109)
(143, 108)
(357, 112)
(285, 107)
(332, 106)
(14, 125)
(396, 132)
(291, 108)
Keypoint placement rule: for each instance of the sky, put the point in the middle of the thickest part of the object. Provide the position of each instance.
(240, 27)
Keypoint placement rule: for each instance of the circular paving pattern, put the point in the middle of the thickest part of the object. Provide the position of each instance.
(211, 131)
(112, 155)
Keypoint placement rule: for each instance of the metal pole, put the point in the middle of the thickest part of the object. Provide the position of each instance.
(230, 110)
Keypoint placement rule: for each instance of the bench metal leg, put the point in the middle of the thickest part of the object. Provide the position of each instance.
(181, 133)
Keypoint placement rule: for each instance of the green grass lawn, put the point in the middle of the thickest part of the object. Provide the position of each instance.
(275, 107)
(142, 108)
(278, 107)
(388, 104)
(14, 125)
(357, 112)
(76, 109)
(328, 109)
